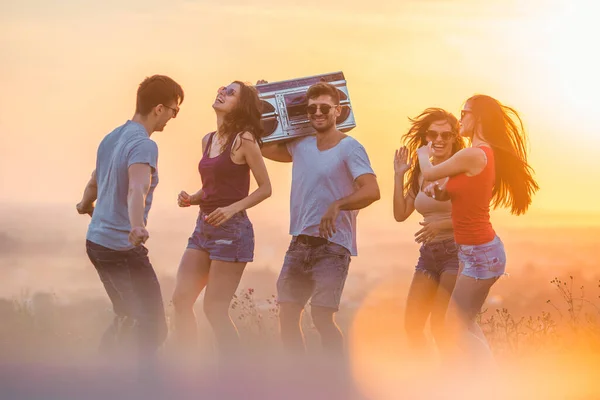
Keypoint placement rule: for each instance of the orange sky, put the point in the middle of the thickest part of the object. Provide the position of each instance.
(69, 73)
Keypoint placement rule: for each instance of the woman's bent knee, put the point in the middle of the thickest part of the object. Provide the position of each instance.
(183, 301)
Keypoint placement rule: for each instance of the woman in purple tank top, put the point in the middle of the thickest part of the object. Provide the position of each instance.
(223, 240)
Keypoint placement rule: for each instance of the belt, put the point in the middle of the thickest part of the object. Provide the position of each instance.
(312, 240)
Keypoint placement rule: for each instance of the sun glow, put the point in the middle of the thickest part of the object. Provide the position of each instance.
(571, 55)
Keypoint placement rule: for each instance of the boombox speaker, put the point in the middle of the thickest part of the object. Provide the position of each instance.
(284, 104)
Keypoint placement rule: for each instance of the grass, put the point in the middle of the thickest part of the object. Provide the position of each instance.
(553, 354)
(575, 324)
(40, 324)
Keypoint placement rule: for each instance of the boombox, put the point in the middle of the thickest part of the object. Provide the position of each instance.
(284, 104)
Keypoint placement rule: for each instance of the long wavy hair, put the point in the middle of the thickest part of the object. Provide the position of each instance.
(245, 117)
(415, 138)
(502, 128)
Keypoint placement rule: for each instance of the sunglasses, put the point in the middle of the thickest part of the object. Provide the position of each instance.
(228, 91)
(175, 110)
(325, 108)
(463, 113)
(433, 135)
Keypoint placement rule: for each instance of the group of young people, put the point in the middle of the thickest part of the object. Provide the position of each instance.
(453, 186)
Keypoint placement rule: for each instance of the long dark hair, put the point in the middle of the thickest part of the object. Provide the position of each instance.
(415, 138)
(245, 117)
(502, 129)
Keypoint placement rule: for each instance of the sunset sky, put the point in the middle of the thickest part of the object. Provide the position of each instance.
(70, 69)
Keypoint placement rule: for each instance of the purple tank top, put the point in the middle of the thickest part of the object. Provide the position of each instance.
(223, 181)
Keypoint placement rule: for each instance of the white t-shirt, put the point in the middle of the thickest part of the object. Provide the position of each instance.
(321, 177)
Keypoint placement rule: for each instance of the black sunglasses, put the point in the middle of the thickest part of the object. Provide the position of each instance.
(433, 135)
(463, 113)
(325, 108)
(175, 110)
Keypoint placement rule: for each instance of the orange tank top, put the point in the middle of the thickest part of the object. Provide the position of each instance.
(471, 197)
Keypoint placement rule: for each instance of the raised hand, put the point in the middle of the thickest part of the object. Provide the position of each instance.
(401, 163)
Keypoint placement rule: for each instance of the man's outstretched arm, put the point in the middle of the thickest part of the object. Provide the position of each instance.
(90, 194)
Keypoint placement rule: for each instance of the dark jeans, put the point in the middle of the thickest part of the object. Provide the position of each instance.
(133, 289)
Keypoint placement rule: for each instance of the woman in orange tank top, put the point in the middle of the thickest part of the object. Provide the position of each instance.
(492, 172)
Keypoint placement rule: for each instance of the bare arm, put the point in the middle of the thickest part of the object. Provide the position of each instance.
(140, 176)
(403, 205)
(195, 198)
(253, 157)
(470, 160)
(185, 200)
(276, 151)
(90, 194)
(366, 193)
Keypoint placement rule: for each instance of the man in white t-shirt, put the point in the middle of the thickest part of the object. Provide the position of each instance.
(331, 180)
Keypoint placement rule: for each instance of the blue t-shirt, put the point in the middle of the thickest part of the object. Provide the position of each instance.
(321, 177)
(128, 144)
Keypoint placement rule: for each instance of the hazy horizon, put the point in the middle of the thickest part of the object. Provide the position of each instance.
(43, 248)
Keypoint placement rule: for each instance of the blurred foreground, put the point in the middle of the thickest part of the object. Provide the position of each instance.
(48, 351)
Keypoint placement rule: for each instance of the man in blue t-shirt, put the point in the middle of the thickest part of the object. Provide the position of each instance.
(122, 185)
(331, 180)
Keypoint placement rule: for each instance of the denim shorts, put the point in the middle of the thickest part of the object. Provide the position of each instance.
(483, 261)
(313, 271)
(232, 241)
(436, 258)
